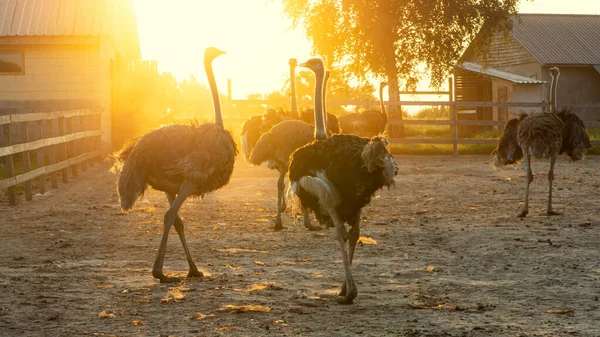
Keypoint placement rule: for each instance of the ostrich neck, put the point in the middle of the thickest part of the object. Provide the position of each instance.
(381, 99)
(319, 120)
(325, 80)
(553, 94)
(294, 112)
(215, 93)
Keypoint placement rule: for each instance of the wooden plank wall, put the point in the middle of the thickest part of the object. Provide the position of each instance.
(63, 141)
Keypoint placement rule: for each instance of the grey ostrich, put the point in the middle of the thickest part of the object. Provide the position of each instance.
(275, 147)
(182, 161)
(542, 135)
(367, 123)
(337, 176)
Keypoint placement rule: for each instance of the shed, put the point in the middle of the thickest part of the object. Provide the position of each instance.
(59, 54)
(517, 68)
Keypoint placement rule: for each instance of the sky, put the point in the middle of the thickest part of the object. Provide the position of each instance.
(255, 34)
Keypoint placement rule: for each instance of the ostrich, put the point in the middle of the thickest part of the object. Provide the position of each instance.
(182, 161)
(368, 123)
(337, 176)
(540, 135)
(275, 147)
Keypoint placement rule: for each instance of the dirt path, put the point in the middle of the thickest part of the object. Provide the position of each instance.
(450, 259)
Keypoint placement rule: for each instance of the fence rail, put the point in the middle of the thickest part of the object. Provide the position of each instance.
(63, 140)
(453, 122)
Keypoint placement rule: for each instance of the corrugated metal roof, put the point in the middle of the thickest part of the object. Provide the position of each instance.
(476, 68)
(112, 18)
(559, 38)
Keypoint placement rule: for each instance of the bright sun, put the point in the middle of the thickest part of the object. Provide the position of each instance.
(254, 33)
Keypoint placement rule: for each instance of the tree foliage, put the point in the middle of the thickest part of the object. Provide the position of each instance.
(392, 39)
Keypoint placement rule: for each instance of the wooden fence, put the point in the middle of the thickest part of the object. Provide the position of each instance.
(453, 122)
(61, 140)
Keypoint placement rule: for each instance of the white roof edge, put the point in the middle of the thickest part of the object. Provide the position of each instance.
(477, 68)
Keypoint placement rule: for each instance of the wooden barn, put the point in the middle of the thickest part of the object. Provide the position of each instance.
(518, 67)
(60, 55)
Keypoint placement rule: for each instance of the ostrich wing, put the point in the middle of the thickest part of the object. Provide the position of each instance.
(196, 166)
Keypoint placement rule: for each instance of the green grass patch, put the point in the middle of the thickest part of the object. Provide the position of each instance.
(441, 149)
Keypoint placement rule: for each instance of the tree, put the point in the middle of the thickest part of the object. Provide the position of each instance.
(392, 38)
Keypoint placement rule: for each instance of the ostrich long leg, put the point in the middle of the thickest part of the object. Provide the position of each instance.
(280, 197)
(550, 180)
(307, 223)
(179, 227)
(529, 177)
(353, 236)
(351, 291)
(186, 189)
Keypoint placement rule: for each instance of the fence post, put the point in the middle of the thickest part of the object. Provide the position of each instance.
(26, 160)
(63, 149)
(40, 157)
(97, 125)
(89, 141)
(453, 117)
(10, 165)
(72, 147)
(52, 153)
(83, 142)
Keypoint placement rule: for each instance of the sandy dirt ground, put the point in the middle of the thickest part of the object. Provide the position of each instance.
(444, 255)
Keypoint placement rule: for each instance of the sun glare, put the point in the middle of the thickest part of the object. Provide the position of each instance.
(254, 33)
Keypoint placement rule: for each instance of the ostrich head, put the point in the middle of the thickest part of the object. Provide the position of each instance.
(508, 151)
(293, 63)
(376, 156)
(576, 140)
(554, 72)
(212, 53)
(314, 64)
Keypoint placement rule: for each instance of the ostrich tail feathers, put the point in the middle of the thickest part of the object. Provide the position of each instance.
(131, 184)
(120, 157)
(246, 147)
(292, 201)
(322, 189)
(263, 149)
(250, 135)
(538, 148)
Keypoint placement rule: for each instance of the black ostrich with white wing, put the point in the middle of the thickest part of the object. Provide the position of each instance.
(337, 176)
(182, 161)
(542, 135)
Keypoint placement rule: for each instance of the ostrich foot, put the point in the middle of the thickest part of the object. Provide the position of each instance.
(195, 273)
(523, 213)
(551, 212)
(348, 297)
(278, 225)
(312, 227)
(163, 279)
(343, 291)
